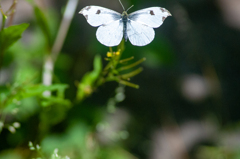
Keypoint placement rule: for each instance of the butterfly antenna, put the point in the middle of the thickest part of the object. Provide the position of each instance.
(122, 5)
(129, 8)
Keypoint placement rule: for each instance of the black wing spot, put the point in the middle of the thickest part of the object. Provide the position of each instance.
(98, 12)
(89, 7)
(151, 12)
(162, 10)
(86, 16)
(163, 18)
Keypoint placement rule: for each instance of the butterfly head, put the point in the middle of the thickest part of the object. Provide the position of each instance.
(124, 14)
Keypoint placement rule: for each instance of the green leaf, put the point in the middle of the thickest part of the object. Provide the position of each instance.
(97, 65)
(34, 90)
(10, 35)
(85, 87)
(43, 24)
(92, 76)
(27, 91)
(55, 100)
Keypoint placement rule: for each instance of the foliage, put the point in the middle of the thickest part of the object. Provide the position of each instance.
(110, 73)
(10, 35)
(24, 96)
(64, 95)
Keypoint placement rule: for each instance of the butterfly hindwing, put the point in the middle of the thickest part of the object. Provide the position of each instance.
(97, 16)
(110, 34)
(152, 17)
(139, 34)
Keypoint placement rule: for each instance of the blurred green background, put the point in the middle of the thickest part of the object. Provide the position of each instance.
(186, 107)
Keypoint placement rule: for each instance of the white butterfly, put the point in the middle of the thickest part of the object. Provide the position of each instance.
(137, 26)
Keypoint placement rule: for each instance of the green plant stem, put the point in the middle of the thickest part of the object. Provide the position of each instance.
(132, 65)
(129, 84)
(3, 22)
(132, 74)
(4, 17)
(126, 60)
(110, 49)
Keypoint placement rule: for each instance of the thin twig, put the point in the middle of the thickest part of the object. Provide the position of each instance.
(64, 26)
(13, 8)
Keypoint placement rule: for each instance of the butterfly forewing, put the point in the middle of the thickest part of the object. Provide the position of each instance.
(152, 17)
(97, 16)
(110, 34)
(139, 34)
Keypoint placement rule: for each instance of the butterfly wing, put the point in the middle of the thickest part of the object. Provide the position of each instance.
(97, 16)
(152, 17)
(139, 34)
(141, 23)
(110, 34)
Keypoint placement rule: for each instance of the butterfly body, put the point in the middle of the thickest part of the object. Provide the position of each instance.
(113, 26)
(124, 21)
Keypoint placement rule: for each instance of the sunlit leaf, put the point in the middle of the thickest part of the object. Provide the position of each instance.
(53, 100)
(10, 35)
